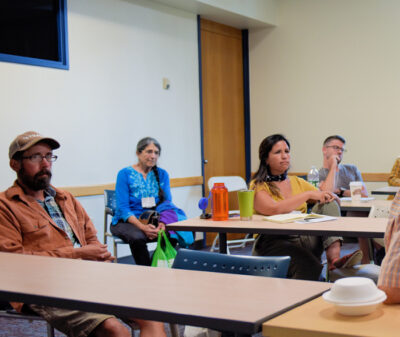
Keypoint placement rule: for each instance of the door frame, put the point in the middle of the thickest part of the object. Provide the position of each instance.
(246, 101)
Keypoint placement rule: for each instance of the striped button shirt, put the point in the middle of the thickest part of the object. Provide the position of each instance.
(389, 278)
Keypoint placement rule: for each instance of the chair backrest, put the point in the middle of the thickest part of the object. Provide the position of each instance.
(232, 183)
(110, 202)
(331, 208)
(379, 211)
(272, 266)
(110, 205)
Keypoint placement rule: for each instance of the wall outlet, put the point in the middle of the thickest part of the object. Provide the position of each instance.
(165, 83)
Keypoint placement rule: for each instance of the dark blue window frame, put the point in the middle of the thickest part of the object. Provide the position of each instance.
(62, 31)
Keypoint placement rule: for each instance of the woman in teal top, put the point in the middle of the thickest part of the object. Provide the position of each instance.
(141, 187)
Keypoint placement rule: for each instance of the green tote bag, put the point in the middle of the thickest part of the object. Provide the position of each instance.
(164, 254)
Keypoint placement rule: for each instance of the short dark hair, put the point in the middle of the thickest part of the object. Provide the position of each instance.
(334, 137)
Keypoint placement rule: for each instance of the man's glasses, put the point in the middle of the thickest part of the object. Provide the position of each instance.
(38, 158)
(337, 148)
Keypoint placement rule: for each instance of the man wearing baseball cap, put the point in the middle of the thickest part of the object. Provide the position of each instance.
(37, 218)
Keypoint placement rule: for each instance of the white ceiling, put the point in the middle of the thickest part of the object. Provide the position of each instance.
(217, 14)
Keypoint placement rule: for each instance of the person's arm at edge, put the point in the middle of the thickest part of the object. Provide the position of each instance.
(394, 178)
(389, 272)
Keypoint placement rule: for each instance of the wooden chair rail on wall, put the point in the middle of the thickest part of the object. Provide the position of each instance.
(83, 191)
(367, 177)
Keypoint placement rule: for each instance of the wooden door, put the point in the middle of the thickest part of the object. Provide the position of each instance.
(223, 105)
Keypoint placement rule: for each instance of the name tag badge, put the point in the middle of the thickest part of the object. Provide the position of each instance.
(148, 202)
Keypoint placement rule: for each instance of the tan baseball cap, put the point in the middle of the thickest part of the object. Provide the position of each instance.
(28, 139)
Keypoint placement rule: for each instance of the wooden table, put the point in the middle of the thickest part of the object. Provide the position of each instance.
(229, 302)
(362, 206)
(319, 319)
(388, 190)
(342, 226)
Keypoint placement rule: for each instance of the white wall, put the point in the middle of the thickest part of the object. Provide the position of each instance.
(329, 67)
(111, 97)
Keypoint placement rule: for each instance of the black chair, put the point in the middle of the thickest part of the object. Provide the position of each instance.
(272, 266)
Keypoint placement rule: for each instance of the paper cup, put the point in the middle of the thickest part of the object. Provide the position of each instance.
(246, 204)
(355, 190)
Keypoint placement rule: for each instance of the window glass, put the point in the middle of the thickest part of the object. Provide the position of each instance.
(34, 32)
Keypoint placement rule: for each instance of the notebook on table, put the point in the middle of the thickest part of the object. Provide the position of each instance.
(298, 217)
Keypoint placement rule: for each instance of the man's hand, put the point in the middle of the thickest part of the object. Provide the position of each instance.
(94, 252)
(333, 162)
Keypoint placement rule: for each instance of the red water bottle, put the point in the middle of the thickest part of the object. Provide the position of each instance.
(220, 205)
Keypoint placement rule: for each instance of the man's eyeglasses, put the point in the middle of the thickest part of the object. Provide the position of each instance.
(337, 148)
(38, 158)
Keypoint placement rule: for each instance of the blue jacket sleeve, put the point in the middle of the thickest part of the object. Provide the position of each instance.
(122, 196)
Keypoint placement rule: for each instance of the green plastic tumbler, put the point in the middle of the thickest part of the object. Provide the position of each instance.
(246, 204)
